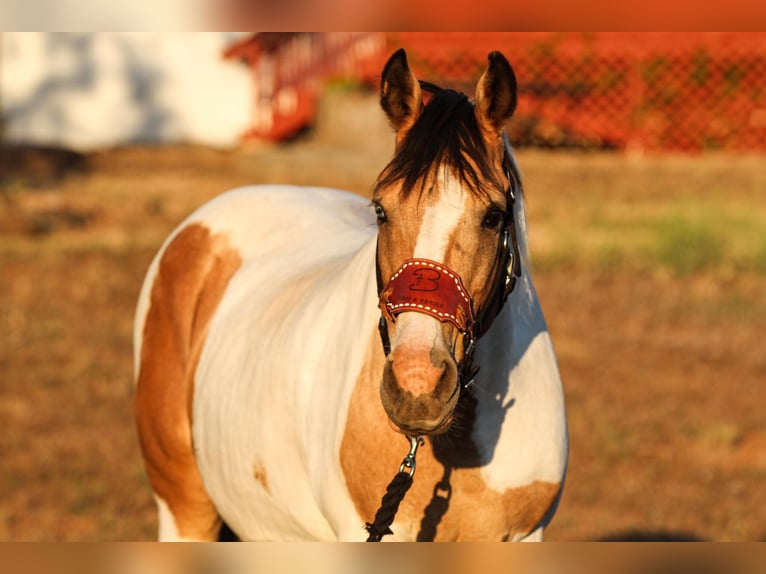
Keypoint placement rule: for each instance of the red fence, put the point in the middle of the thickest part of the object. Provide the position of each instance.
(665, 91)
(289, 68)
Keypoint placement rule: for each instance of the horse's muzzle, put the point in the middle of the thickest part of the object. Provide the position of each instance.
(420, 390)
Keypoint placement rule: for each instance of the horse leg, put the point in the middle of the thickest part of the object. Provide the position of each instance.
(534, 536)
(195, 531)
(190, 280)
(185, 511)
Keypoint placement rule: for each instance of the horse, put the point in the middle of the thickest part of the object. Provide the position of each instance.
(290, 341)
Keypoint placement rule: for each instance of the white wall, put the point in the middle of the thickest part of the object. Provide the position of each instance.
(91, 90)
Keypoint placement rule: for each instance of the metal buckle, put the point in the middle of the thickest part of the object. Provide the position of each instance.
(409, 461)
(509, 268)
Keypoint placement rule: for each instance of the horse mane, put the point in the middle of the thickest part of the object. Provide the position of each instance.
(445, 133)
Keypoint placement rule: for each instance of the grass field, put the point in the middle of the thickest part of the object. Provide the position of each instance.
(652, 273)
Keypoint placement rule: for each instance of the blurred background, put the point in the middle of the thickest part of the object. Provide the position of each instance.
(645, 180)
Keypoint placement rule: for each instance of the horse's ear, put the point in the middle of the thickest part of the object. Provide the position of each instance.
(400, 95)
(496, 95)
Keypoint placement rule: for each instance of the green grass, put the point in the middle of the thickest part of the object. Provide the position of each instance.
(671, 214)
(759, 259)
(682, 238)
(685, 245)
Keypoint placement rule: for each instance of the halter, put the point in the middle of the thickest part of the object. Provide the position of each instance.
(432, 288)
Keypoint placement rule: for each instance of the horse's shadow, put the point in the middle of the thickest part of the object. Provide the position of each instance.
(640, 535)
(436, 508)
(457, 448)
(454, 449)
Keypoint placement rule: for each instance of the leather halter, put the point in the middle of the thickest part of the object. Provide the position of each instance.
(431, 288)
(428, 287)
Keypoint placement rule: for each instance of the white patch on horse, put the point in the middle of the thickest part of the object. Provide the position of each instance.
(439, 222)
(534, 536)
(441, 218)
(531, 391)
(168, 531)
(302, 279)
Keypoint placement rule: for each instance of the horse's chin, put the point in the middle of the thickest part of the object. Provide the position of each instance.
(440, 429)
(421, 429)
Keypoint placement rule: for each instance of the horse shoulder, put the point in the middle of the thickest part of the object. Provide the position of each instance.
(522, 417)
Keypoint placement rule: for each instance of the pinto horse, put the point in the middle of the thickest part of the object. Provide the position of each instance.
(289, 340)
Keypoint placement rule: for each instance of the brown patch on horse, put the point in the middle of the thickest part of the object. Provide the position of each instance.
(192, 276)
(259, 472)
(371, 453)
(476, 261)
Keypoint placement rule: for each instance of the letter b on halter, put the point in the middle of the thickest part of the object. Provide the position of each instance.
(428, 287)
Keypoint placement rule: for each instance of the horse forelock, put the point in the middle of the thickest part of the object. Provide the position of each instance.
(445, 134)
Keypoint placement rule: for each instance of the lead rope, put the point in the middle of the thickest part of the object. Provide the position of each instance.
(394, 495)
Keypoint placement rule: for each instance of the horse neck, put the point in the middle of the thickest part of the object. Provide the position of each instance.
(350, 298)
(519, 207)
(520, 221)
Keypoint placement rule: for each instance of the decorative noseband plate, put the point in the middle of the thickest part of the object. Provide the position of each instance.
(428, 287)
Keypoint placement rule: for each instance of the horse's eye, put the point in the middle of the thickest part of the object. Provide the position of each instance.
(380, 213)
(494, 219)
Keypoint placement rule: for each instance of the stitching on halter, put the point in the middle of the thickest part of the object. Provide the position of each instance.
(393, 308)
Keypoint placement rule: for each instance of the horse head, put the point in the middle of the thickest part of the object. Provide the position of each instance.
(447, 255)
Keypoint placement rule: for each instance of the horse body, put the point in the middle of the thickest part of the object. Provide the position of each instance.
(259, 366)
(274, 377)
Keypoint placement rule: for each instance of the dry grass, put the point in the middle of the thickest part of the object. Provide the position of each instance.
(661, 356)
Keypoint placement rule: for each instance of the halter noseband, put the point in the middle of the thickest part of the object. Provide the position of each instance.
(428, 287)
(431, 288)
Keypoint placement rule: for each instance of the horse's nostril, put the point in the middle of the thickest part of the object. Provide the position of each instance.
(444, 384)
(419, 376)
